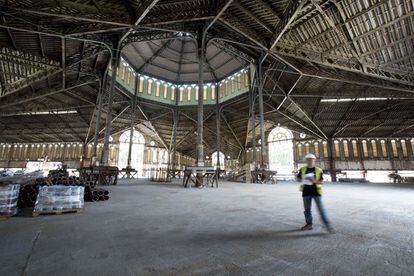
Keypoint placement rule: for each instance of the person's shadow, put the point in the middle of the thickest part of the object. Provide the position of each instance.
(260, 235)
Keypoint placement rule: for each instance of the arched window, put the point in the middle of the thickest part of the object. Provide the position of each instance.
(173, 93)
(384, 148)
(346, 148)
(412, 145)
(141, 84)
(137, 153)
(300, 153)
(222, 158)
(316, 147)
(157, 89)
(374, 148)
(365, 148)
(149, 87)
(205, 93)
(394, 148)
(165, 90)
(181, 94)
(189, 92)
(355, 148)
(281, 150)
(337, 150)
(404, 148)
(325, 149)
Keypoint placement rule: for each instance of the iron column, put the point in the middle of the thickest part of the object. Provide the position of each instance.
(253, 121)
(105, 152)
(217, 128)
(263, 148)
(133, 116)
(174, 138)
(331, 150)
(200, 110)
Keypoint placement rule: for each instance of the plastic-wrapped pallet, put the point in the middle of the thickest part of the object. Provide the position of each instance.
(59, 198)
(9, 195)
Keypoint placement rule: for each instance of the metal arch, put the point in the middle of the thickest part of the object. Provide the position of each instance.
(290, 13)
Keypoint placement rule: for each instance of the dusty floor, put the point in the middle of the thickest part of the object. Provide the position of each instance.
(238, 229)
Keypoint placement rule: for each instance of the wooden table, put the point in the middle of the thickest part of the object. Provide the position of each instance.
(264, 177)
(192, 173)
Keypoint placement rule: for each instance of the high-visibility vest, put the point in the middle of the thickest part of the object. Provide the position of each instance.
(318, 173)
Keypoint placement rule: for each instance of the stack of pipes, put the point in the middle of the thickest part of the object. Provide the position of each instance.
(93, 193)
(30, 190)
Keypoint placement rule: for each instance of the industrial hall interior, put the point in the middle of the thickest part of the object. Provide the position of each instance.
(206, 137)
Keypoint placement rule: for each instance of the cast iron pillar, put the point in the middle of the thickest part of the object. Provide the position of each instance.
(97, 127)
(98, 118)
(331, 160)
(105, 152)
(218, 134)
(133, 116)
(390, 155)
(174, 138)
(200, 110)
(253, 120)
(263, 148)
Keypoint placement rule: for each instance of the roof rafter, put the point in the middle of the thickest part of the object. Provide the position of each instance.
(291, 12)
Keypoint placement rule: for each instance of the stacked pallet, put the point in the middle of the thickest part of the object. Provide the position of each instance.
(9, 194)
(59, 199)
(30, 190)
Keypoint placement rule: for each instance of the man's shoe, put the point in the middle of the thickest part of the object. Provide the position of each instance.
(308, 226)
(330, 230)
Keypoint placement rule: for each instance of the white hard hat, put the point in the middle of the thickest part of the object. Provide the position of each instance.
(310, 156)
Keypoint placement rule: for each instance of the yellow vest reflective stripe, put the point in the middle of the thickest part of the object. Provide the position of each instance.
(318, 173)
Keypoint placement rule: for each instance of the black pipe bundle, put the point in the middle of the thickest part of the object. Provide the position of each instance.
(67, 181)
(96, 194)
(30, 190)
(28, 195)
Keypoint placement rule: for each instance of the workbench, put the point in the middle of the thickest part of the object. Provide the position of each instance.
(102, 175)
(264, 177)
(128, 173)
(192, 175)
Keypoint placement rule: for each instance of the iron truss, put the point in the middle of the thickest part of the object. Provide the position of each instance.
(53, 56)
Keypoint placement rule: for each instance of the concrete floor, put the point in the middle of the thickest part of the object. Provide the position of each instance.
(238, 229)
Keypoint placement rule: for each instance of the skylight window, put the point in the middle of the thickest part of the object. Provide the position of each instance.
(334, 100)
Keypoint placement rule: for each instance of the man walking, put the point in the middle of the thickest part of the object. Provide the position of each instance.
(311, 188)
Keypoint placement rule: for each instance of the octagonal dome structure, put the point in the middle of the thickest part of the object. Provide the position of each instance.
(176, 60)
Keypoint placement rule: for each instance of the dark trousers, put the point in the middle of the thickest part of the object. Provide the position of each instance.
(307, 204)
